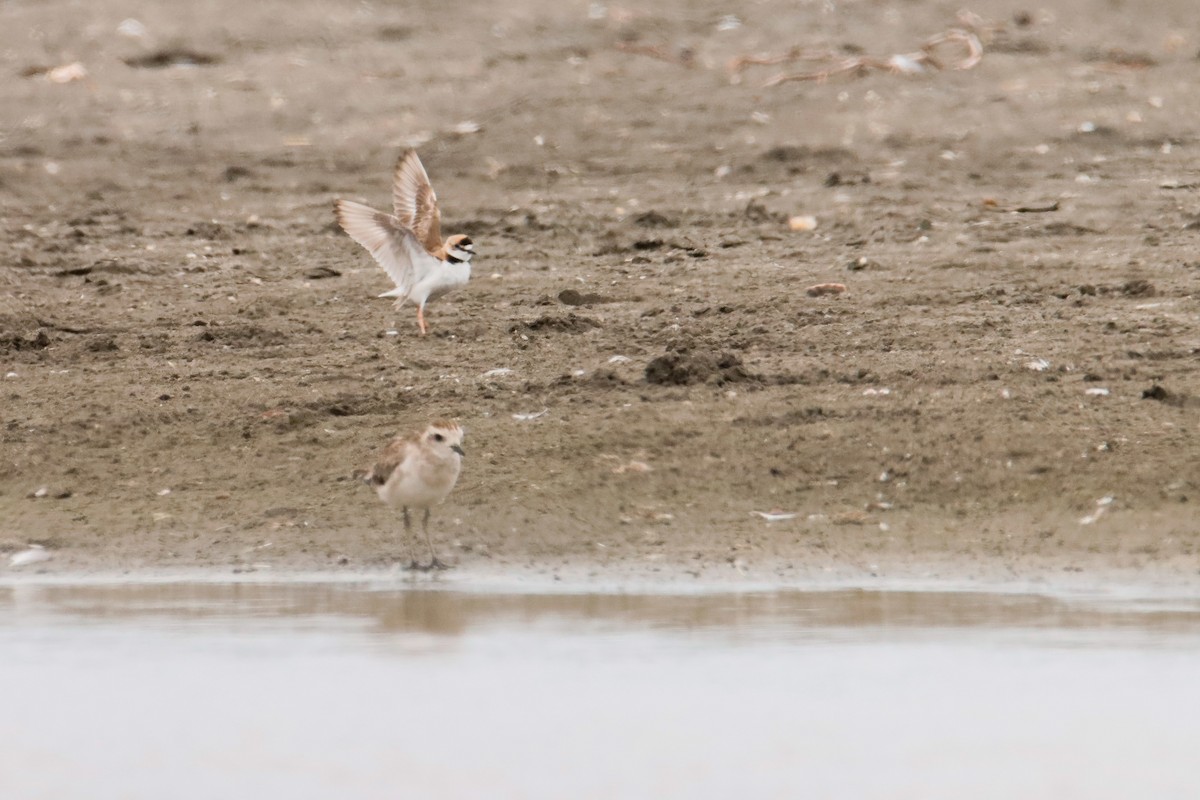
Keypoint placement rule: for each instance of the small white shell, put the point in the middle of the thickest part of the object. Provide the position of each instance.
(67, 73)
(775, 516)
(33, 555)
(1101, 508)
(905, 65)
(132, 28)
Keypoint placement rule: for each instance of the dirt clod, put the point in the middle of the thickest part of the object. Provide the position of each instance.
(17, 341)
(573, 297)
(1155, 392)
(171, 57)
(551, 323)
(688, 368)
(1138, 288)
(653, 219)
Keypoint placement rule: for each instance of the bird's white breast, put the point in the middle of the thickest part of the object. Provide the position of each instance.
(419, 483)
(447, 277)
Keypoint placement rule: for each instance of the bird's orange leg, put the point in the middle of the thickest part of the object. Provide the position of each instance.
(421, 319)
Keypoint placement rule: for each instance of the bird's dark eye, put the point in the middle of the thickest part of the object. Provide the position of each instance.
(466, 242)
(437, 437)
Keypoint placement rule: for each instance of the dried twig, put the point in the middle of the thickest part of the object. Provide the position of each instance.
(983, 28)
(739, 63)
(970, 33)
(859, 66)
(973, 29)
(966, 38)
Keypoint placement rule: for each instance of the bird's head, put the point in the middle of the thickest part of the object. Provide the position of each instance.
(459, 248)
(445, 437)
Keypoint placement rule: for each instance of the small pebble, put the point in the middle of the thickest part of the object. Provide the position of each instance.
(802, 222)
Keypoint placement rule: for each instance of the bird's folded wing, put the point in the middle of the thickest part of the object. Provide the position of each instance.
(415, 202)
(394, 455)
(393, 246)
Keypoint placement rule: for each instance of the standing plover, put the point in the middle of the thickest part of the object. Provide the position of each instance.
(408, 244)
(418, 470)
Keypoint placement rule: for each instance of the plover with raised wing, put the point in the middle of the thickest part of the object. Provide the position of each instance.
(408, 243)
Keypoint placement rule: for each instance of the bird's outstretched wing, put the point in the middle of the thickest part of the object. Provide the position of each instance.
(415, 202)
(392, 245)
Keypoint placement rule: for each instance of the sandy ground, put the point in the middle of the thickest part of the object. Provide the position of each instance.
(195, 362)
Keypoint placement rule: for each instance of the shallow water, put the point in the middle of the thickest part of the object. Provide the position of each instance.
(372, 690)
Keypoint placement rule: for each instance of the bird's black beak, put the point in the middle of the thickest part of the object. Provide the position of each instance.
(458, 449)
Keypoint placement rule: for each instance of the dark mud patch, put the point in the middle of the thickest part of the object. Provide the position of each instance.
(16, 342)
(172, 57)
(573, 297)
(243, 336)
(550, 323)
(655, 219)
(104, 266)
(208, 230)
(1177, 399)
(687, 368)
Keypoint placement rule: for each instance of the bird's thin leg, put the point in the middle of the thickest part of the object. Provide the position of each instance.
(434, 562)
(408, 537)
(421, 319)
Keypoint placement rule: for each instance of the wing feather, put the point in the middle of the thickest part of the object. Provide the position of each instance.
(393, 456)
(415, 202)
(428, 223)
(394, 247)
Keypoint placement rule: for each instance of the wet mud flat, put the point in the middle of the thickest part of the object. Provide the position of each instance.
(379, 686)
(194, 363)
